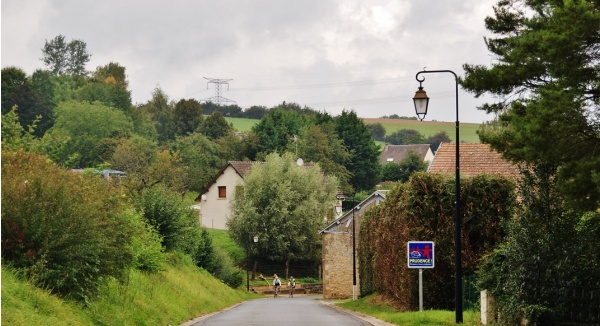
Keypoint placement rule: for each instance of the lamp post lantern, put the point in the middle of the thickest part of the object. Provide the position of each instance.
(255, 239)
(421, 102)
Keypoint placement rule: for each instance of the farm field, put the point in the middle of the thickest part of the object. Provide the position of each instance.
(468, 131)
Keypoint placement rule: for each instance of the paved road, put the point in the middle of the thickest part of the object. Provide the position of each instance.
(300, 310)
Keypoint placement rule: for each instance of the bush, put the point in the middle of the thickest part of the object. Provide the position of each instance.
(225, 270)
(164, 210)
(423, 209)
(66, 231)
(549, 252)
(149, 255)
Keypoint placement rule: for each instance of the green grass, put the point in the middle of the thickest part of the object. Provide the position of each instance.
(180, 293)
(222, 240)
(468, 131)
(242, 124)
(370, 306)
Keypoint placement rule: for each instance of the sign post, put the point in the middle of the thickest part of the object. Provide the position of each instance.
(420, 254)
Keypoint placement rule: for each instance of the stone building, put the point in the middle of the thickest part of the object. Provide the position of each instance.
(338, 278)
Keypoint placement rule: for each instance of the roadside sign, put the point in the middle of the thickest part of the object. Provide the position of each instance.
(420, 254)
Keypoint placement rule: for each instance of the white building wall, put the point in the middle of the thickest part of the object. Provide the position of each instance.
(214, 211)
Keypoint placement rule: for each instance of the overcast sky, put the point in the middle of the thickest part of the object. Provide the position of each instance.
(326, 54)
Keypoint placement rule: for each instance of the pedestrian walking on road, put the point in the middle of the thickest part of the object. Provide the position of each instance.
(292, 286)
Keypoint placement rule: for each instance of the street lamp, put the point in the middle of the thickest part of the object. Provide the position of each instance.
(421, 102)
(353, 250)
(338, 205)
(247, 268)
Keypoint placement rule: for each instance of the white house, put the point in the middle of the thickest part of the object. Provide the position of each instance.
(215, 198)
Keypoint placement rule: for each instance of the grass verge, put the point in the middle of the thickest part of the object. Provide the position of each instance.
(180, 293)
(374, 306)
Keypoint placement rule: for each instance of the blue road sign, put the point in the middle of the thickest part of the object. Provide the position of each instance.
(420, 254)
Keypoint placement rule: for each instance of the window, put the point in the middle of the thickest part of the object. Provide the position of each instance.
(222, 192)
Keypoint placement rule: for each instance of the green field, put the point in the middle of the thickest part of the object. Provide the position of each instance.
(468, 131)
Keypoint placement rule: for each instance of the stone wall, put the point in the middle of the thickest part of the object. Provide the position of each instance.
(337, 266)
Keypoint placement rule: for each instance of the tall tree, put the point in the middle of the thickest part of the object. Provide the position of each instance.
(112, 73)
(364, 160)
(215, 126)
(187, 116)
(64, 57)
(321, 144)
(546, 79)
(200, 157)
(277, 129)
(284, 205)
(160, 109)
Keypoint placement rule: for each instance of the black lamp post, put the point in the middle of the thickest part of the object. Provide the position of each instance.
(353, 250)
(421, 102)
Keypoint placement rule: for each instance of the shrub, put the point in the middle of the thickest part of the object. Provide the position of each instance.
(549, 252)
(146, 245)
(422, 209)
(66, 231)
(164, 210)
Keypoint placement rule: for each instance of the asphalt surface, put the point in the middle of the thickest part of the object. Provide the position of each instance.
(300, 310)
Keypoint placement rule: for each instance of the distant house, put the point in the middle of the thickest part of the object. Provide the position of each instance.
(215, 198)
(337, 249)
(475, 159)
(397, 153)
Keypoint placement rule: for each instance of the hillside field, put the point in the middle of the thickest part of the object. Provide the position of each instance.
(468, 131)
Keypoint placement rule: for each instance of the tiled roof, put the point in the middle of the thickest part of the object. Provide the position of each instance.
(396, 153)
(242, 167)
(475, 159)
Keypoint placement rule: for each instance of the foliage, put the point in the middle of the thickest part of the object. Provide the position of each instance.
(201, 159)
(172, 297)
(377, 131)
(106, 92)
(160, 109)
(422, 208)
(437, 139)
(276, 129)
(164, 211)
(320, 143)
(405, 137)
(364, 153)
(88, 125)
(66, 231)
(545, 80)
(187, 116)
(536, 264)
(402, 171)
(33, 96)
(112, 73)
(284, 205)
(215, 126)
(146, 245)
(64, 57)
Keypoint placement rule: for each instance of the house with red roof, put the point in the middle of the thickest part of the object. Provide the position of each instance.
(475, 159)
